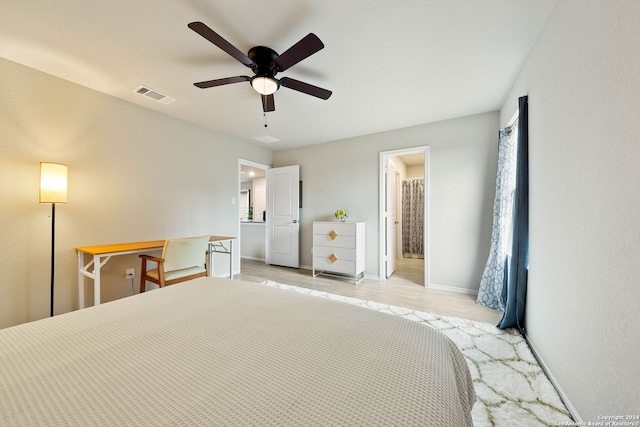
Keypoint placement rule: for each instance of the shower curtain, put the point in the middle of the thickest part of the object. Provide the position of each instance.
(413, 218)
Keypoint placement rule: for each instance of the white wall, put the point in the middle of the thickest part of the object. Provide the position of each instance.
(583, 313)
(344, 174)
(134, 175)
(398, 164)
(415, 171)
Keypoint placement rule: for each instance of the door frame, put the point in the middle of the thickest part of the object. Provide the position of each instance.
(384, 157)
(244, 162)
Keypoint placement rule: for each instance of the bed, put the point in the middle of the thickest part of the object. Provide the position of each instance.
(231, 353)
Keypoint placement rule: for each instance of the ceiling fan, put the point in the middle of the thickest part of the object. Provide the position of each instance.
(265, 64)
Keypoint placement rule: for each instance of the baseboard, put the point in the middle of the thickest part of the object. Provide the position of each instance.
(377, 277)
(252, 258)
(453, 289)
(556, 385)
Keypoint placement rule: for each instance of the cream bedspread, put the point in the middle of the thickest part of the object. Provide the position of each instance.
(230, 353)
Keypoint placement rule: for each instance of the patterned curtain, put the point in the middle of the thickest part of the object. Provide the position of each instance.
(413, 218)
(514, 295)
(494, 276)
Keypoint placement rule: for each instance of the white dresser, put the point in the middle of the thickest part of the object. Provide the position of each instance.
(339, 249)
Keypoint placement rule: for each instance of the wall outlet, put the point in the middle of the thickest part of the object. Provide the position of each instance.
(130, 273)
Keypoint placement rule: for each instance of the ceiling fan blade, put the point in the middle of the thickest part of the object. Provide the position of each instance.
(306, 47)
(268, 103)
(305, 88)
(217, 39)
(220, 82)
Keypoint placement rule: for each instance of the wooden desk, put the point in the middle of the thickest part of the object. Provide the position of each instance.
(102, 253)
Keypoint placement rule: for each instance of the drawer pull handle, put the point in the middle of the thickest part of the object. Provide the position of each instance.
(333, 235)
(333, 258)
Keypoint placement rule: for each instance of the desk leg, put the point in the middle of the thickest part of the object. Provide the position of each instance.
(80, 280)
(96, 280)
(231, 259)
(210, 260)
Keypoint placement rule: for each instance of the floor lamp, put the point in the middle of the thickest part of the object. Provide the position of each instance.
(53, 189)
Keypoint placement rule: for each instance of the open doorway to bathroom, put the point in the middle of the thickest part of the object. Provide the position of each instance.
(404, 215)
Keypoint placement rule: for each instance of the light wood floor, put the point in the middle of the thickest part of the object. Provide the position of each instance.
(401, 289)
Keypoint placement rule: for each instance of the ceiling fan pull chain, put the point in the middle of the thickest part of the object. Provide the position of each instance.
(265, 119)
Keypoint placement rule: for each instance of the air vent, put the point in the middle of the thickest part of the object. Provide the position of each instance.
(266, 139)
(154, 94)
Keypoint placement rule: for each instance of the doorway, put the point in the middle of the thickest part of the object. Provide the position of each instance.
(397, 167)
(252, 206)
(268, 208)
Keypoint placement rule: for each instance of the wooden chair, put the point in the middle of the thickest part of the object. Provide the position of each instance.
(182, 260)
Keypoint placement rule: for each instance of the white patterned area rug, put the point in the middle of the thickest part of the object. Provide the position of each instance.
(511, 387)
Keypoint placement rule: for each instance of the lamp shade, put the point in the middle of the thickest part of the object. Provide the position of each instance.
(264, 85)
(53, 183)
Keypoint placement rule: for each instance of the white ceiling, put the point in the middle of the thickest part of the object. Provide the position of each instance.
(389, 64)
(248, 173)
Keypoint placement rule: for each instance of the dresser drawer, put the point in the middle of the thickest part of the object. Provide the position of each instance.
(340, 253)
(340, 266)
(339, 242)
(340, 228)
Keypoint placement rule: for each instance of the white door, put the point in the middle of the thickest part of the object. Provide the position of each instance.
(283, 216)
(392, 218)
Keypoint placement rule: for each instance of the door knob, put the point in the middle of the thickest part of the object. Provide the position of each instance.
(295, 221)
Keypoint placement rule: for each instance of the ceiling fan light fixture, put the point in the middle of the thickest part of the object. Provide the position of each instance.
(264, 85)
(265, 63)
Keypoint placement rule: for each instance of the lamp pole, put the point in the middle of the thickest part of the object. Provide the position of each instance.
(53, 189)
(53, 242)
